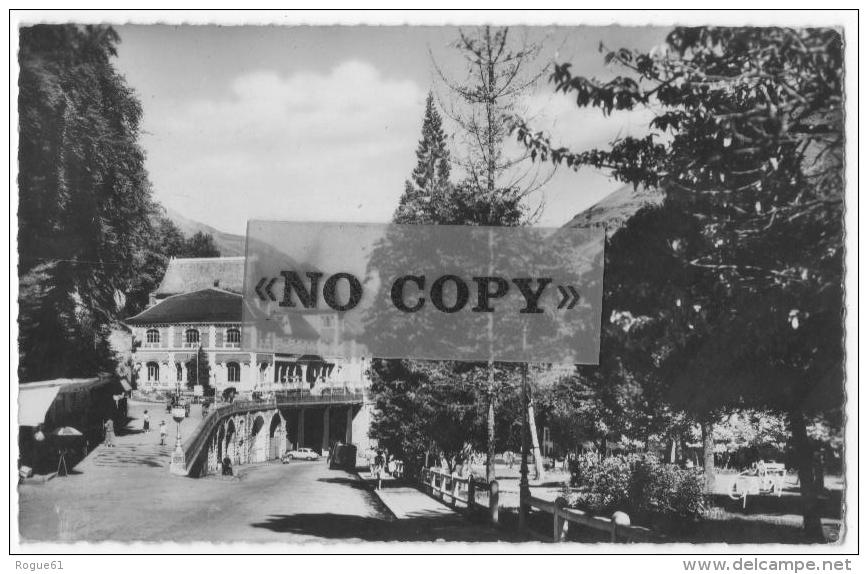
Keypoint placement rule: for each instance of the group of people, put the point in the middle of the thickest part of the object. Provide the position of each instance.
(146, 427)
(109, 430)
(386, 464)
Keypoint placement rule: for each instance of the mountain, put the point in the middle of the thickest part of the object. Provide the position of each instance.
(229, 244)
(613, 211)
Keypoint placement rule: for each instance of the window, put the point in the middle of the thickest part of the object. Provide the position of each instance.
(152, 337)
(233, 372)
(153, 372)
(233, 338)
(191, 337)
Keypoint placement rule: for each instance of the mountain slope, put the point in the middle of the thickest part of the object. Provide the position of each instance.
(229, 244)
(613, 211)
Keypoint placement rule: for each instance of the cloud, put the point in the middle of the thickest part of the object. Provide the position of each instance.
(314, 145)
(583, 128)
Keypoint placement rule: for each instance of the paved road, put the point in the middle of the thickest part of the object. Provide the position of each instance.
(127, 494)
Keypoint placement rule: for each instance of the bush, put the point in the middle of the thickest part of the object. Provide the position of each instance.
(581, 467)
(665, 490)
(639, 485)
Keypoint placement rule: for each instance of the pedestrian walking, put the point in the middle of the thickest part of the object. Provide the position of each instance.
(163, 432)
(379, 463)
(146, 422)
(109, 427)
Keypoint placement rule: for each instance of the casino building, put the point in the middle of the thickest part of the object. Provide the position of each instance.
(198, 305)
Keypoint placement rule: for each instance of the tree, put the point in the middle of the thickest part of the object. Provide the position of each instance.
(84, 198)
(499, 73)
(424, 409)
(200, 245)
(151, 259)
(430, 179)
(404, 390)
(754, 156)
(199, 372)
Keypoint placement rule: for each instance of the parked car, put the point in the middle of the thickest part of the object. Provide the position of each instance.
(301, 454)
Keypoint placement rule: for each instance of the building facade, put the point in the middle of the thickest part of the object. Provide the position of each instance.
(196, 314)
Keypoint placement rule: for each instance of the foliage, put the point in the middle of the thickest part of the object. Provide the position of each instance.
(84, 198)
(752, 428)
(430, 179)
(639, 485)
(201, 244)
(152, 258)
(199, 372)
(666, 490)
(433, 407)
(500, 72)
(605, 487)
(419, 409)
(92, 242)
(748, 151)
(580, 467)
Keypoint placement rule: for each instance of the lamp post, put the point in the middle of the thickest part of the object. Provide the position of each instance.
(178, 464)
(524, 485)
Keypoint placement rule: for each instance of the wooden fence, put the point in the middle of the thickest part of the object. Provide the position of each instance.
(618, 526)
(473, 494)
(468, 493)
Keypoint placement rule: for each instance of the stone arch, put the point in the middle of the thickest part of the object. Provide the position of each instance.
(276, 436)
(258, 439)
(221, 436)
(231, 438)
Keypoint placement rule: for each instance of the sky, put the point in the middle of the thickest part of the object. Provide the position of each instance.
(305, 123)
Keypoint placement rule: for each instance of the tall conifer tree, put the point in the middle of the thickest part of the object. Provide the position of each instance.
(430, 178)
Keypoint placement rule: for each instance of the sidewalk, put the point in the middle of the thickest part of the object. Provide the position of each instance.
(417, 516)
(406, 501)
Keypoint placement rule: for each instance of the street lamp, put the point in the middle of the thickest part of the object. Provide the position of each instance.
(178, 464)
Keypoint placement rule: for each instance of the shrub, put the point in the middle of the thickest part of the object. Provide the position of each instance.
(666, 490)
(640, 486)
(580, 468)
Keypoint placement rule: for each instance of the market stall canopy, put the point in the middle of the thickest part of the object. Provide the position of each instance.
(34, 402)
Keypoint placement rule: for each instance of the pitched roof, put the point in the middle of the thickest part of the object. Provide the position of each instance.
(615, 209)
(187, 275)
(208, 305)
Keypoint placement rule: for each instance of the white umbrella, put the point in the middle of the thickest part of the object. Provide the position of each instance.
(66, 432)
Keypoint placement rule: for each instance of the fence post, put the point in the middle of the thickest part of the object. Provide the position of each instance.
(454, 490)
(494, 501)
(619, 519)
(560, 521)
(433, 482)
(471, 494)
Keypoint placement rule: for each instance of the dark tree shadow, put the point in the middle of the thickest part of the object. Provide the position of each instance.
(424, 528)
(830, 504)
(345, 481)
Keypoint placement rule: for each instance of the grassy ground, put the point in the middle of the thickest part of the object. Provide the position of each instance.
(766, 519)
